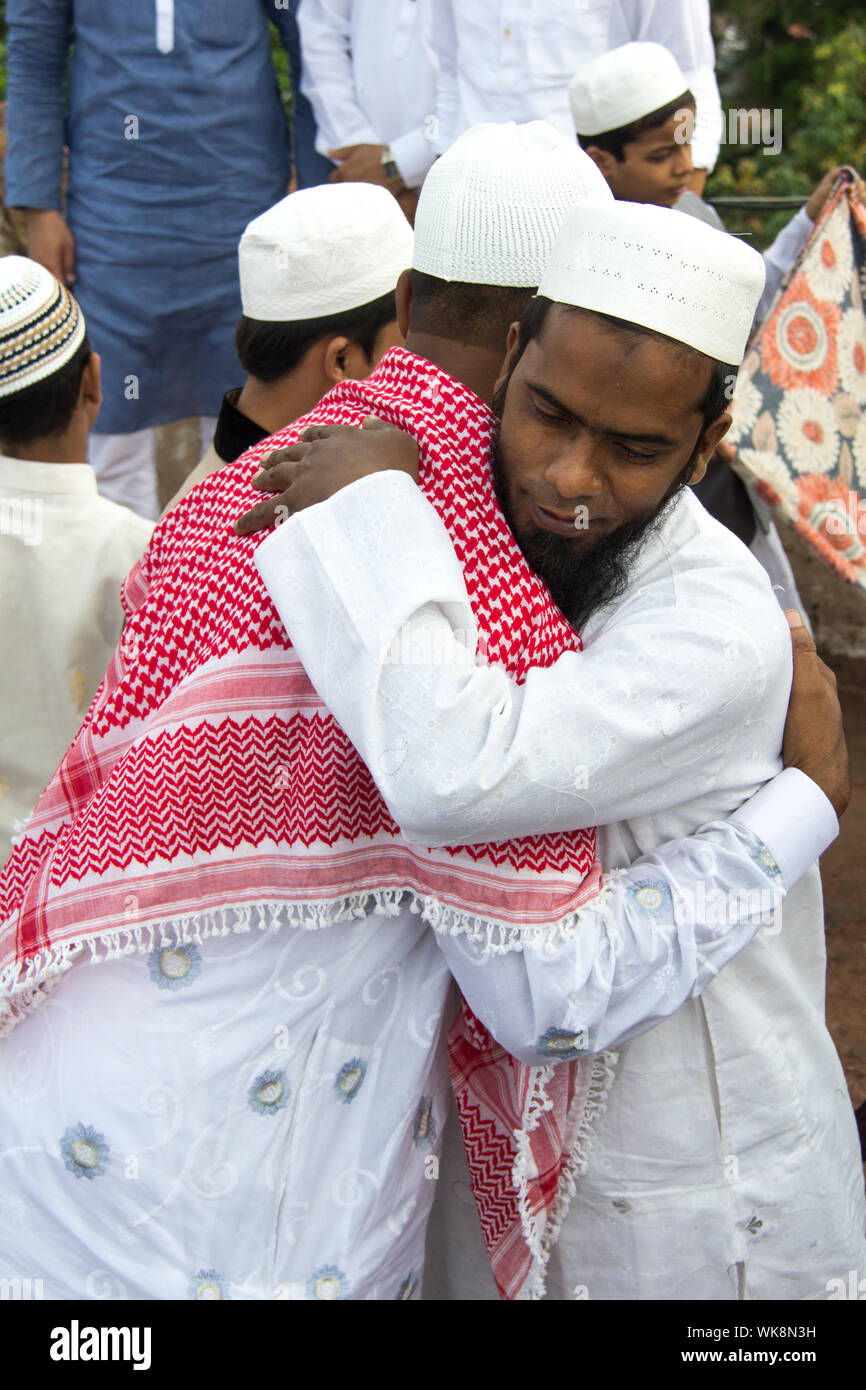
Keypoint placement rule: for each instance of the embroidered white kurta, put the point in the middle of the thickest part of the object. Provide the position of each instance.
(727, 1163)
(253, 1116)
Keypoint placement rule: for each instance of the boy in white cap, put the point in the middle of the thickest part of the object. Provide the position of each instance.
(632, 111)
(725, 1164)
(633, 114)
(318, 272)
(63, 549)
(296, 1078)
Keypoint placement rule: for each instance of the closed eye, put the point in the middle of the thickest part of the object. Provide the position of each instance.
(545, 415)
(635, 454)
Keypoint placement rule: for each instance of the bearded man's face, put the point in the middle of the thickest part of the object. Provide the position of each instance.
(599, 431)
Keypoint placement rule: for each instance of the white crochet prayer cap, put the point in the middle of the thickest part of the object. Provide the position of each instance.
(41, 325)
(652, 266)
(323, 251)
(491, 207)
(624, 85)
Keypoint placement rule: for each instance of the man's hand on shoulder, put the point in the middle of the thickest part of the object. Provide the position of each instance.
(814, 737)
(328, 458)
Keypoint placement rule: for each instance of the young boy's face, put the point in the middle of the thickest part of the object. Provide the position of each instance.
(656, 166)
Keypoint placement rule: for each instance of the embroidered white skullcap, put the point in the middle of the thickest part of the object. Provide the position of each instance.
(323, 251)
(492, 206)
(652, 266)
(624, 85)
(41, 325)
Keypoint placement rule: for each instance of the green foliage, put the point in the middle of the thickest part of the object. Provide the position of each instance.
(281, 65)
(832, 127)
(816, 76)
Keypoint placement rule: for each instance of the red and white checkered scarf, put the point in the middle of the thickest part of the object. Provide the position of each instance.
(209, 789)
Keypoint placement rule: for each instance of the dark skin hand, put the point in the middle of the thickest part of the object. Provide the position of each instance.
(814, 737)
(330, 457)
(825, 188)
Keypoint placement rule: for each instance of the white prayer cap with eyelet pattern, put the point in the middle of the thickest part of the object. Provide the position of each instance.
(624, 85)
(652, 266)
(323, 251)
(41, 325)
(492, 206)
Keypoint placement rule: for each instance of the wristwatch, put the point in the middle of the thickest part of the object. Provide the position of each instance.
(389, 164)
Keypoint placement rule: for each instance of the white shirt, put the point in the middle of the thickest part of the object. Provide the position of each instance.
(370, 73)
(255, 1116)
(728, 1140)
(512, 60)
(253, 1110)
(252, 1116)
(64, 552)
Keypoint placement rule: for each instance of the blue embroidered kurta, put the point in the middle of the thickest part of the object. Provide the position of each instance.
(177, 139)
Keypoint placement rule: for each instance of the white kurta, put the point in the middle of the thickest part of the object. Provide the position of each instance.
(260, 1116)
(248, 1117)
(370, 75)
(257, 1116)
(727, 1162)
(512, 60)
(64, 552)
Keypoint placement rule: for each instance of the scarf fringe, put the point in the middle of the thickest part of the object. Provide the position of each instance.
(541, 1245)
(537, 1103)
(499, 938)
(24, 986)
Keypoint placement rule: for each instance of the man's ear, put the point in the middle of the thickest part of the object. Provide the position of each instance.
(511, 349)
(334, 361)
(603, 158)
(710, 440)
(90, 393)
(404, 302)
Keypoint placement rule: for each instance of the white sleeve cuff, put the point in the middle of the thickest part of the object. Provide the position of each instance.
(413, 154)
(793, 818)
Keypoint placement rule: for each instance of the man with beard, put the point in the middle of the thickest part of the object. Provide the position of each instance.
(253, 1114)
(726, 1163)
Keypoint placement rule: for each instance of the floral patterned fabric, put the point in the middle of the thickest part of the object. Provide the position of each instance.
(799, 427)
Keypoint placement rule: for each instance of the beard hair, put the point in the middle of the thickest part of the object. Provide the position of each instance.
(582, 580)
